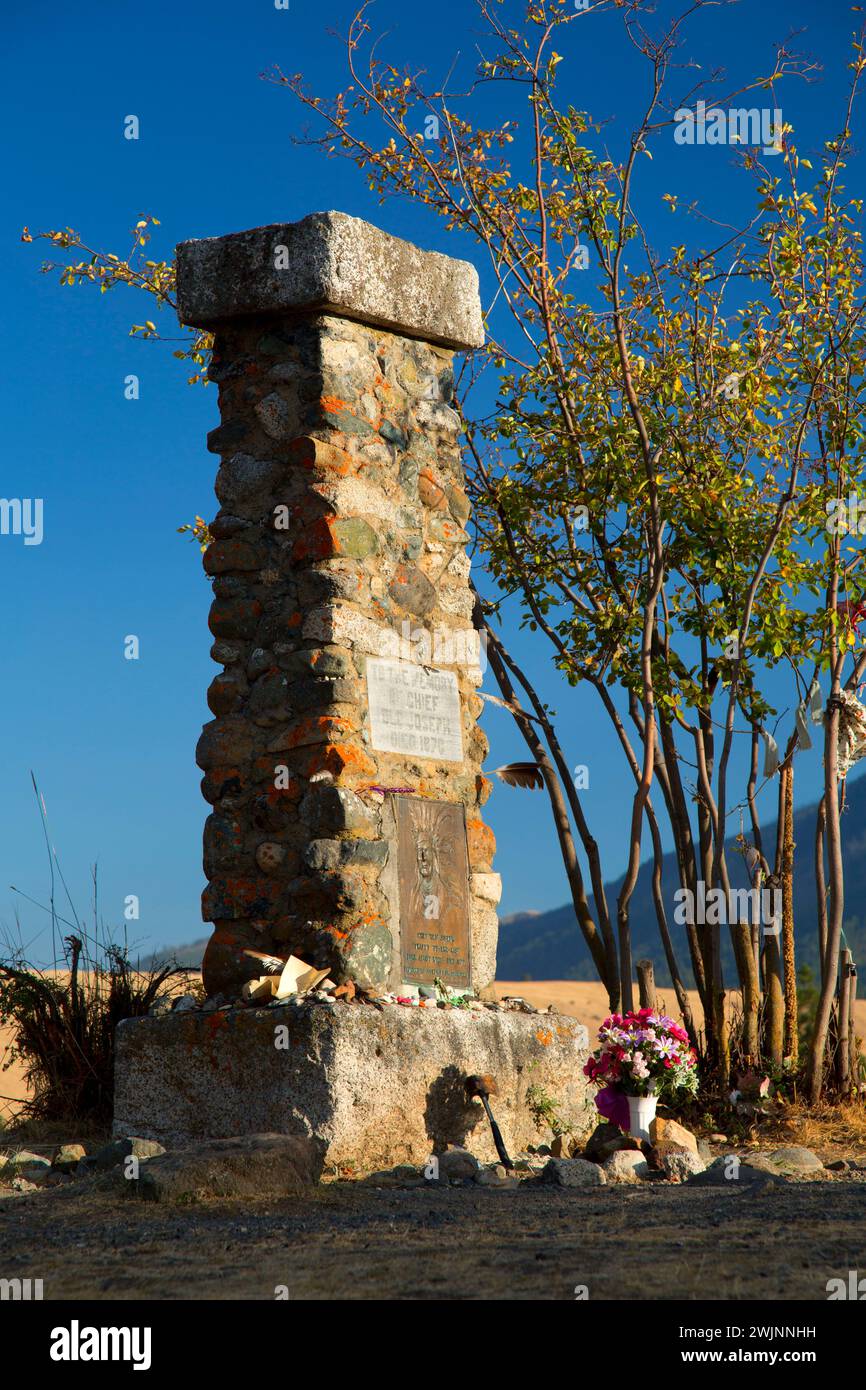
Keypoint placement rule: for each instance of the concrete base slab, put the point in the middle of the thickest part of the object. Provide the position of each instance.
(379, 1088)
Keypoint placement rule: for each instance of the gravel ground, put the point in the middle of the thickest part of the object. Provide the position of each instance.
(348, 1241)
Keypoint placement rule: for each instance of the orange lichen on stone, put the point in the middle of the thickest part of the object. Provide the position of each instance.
(318, 454)
(340, 759)
(544, 1037)
(321, 728)
(481, 841)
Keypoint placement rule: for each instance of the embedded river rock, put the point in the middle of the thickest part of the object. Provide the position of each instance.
(343, 763)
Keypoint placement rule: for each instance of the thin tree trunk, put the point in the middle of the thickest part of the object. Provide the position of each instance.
(560, 817)
(658, 859)
(774, 996)
(843, 1057)
(742, 934)
(837, 888)
(755, 968)
(588, 841)
(791, 1042)
(638, 806)
(750, 791)
(852, 1039)
(821, 885)
(713, 865)
(678, 813)
(664, 932)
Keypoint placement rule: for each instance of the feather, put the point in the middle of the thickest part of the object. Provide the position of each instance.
(271, 965)
(507, 704)
(520, 775)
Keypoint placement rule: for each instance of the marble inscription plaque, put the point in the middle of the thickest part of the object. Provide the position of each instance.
(414, 710)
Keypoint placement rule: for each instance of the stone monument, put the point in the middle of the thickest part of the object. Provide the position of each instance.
(343, 762)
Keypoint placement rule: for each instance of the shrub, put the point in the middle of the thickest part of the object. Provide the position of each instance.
(64, 1023)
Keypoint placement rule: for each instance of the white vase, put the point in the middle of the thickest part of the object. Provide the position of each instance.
(641, 1113)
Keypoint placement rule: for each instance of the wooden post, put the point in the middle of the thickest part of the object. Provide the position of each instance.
(646, 984)
(774, 990)
(775, 999)
(741, 933)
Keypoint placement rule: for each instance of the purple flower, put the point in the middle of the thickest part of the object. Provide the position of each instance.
(613, 1105)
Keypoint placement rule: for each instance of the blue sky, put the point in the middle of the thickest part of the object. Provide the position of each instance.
(112, 741)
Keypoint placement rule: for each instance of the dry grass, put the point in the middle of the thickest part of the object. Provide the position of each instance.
(48, 1135)
(827, 1127)
(63, 1030)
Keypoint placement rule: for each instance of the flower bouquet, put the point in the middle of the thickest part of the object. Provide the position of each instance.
(642, 1056)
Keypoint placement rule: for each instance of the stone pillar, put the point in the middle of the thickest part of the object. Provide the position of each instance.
(339, 568)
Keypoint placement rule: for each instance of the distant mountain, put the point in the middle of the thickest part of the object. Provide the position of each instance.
(549, 945)
(190, 955)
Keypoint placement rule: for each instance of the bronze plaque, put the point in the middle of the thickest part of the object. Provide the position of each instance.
(433, 868)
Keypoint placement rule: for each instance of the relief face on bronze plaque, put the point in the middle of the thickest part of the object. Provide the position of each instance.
(434, 892)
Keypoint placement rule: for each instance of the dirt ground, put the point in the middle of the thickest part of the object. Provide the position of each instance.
(346, 1241)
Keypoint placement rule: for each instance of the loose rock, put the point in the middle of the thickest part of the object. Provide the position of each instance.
(119, 1149)
(573, 1172)
(253, 1165)
(497, 1176)
(731, 1170)
(455, 1164)
(680, 1167)
(626, 1166)
(30, 1167)
(404, 1175)
(185, 1003)
(607, 1139)
(795, 1159)
(669, 1131)
(68, 1157)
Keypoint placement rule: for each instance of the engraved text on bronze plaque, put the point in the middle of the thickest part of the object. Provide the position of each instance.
(434, 892)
